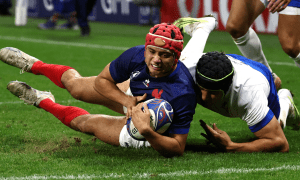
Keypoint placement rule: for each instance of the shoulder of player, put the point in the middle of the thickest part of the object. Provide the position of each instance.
(135, 55)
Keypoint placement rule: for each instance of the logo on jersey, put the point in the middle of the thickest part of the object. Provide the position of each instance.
(157, 94)
(146, 82)
(134, 74)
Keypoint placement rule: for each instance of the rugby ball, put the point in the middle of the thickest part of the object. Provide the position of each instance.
(161, 116)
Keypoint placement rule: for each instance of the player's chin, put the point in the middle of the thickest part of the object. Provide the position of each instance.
(157, 73)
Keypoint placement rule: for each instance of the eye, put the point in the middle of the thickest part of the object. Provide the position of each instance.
(151, 51)
(166, 55)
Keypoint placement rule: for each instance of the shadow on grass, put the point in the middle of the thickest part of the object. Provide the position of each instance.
(197, 145)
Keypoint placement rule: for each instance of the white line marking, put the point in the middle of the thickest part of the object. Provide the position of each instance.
(170, 174)
(97, 46)
(43, 41)
(20, 102)
(283, 63)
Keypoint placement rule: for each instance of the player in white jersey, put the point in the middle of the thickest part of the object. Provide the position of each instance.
(235, 86)
(242, 15)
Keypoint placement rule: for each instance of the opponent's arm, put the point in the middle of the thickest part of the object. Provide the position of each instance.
(167, 146)
(106, 86)
(277, 5)
(270, 139)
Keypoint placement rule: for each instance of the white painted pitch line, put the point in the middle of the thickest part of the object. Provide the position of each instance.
(170, 174)
(20, 102)
(284, 63)
(97, 46)
(42, 41)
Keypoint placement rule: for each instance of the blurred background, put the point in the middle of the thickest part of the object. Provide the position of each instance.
(141, 12)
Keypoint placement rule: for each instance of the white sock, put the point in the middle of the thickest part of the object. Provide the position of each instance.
(250, 46)
(285, 104)
(297, 60)
(196, 44)
(193, 50)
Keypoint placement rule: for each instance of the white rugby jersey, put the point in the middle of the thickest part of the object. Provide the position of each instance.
(252, 95)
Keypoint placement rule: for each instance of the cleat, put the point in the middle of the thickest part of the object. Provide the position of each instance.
(293, 113)
(297, 62)
(277, 81)
(68, 25)
(48, 25)
(85, 31)
(28, 94)
(189, 24)
(17, 58)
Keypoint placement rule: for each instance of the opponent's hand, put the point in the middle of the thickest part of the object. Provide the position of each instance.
(216, 136)
(277, 5)
(134, 101)
(141, 117)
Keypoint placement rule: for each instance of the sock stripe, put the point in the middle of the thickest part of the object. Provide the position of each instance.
(64, 113)
(51, 71)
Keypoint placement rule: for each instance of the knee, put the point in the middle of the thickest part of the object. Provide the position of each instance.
(235, 30)
(76, 91)
(290, 48)
(82, 124)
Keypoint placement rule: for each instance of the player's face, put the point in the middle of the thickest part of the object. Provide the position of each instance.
(210, 97)
(160, 62)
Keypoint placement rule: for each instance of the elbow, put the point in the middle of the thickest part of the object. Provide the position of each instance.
(283, 145)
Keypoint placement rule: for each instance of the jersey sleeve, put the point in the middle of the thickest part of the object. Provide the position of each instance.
(254, 108)
(122, 67)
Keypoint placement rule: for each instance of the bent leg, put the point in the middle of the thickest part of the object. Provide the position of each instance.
(289, 35)
(106, 128)
(82, 88)
(242, 15)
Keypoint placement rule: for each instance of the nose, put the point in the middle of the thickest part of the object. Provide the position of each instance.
(156, 58)
(204, 94)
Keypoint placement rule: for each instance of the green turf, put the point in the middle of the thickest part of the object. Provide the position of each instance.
(34, 144)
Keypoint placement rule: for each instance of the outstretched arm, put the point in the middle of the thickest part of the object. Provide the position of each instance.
(270, 139)
(168, 146)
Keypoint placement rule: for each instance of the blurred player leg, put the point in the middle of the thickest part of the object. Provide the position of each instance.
(69, 13)
(65, 9)
(51, 23)
(4, 7)
(288, 32)
(242, 15)
(83, 9)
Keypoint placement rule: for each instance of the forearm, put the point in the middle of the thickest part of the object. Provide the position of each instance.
(166, 146)
(109, 90)
(259, 145)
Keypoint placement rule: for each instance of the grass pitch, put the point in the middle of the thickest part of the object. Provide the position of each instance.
(35, 145)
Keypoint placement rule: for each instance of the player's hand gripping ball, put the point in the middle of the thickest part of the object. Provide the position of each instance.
(161, 116)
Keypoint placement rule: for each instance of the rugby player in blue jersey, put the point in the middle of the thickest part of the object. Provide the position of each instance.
(143, 72)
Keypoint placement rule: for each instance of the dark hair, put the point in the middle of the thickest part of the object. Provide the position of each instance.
(214, 71)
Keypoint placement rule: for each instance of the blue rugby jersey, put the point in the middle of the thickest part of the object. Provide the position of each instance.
(294, 3)
(178, 88)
